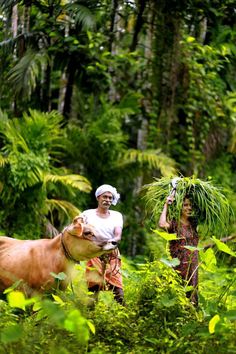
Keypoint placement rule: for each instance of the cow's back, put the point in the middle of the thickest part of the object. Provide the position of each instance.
(31, 261)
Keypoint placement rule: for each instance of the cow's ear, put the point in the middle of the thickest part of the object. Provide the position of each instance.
(79, 226)
(78, 219)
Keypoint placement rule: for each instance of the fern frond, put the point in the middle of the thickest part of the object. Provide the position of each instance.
(75, 181)
(62, 206)
(152, 159)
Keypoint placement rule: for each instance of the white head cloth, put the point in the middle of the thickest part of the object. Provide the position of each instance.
(108, 188)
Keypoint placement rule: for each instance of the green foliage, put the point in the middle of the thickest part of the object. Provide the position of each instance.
(101, 142)
(210, 206)
(81, 14)
(151, 159)
(127, 116)
(27, 71)
(53, 320)
(207, 113)
(158, 316)
(32, 178)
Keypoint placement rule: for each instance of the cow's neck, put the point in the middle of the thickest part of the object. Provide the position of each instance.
(66, 251)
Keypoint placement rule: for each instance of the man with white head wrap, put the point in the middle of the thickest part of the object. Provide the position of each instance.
(104, 272)
(108, 188)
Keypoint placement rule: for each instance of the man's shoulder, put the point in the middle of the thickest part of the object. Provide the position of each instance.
(89, 211)
(115, 213)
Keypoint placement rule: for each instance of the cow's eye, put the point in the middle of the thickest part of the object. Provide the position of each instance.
(88, 234)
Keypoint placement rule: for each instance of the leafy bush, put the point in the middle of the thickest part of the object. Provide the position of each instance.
(157, 318)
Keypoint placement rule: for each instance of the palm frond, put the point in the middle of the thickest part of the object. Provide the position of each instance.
(153, 159)
(63, 207)
(8, 3)
(82, 15)
(75, 181)
(25, 73)
(43, 131)
(35, 131)
(3, 161)
(11, 132)
(210, 205)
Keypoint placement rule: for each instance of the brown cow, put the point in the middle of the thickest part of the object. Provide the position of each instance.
(33, 261)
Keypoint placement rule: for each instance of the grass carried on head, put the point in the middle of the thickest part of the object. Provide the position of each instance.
(210, 206)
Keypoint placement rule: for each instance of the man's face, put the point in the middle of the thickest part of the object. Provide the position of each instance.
(105, 200)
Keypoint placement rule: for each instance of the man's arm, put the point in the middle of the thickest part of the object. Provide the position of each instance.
(117, 233)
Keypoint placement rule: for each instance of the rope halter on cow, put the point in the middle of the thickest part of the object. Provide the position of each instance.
(85, 235)
(65, 248)
(66, 251)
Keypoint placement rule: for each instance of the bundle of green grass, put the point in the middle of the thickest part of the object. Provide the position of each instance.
(210, 206)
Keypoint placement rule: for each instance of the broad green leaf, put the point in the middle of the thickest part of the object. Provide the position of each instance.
(165, 235)
(208, 260)
(59, 276)
(167, 302)
(77, 324)
(223, 247)
(16, 299)
(212, 323)
(58, 300)
(192, 248)
(170, 262)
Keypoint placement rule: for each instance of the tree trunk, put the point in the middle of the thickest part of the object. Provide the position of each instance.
(14, 21)
(138, 24)
(115, 4)
(70, 74)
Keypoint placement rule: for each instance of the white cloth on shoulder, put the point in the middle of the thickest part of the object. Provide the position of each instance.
(108, 188)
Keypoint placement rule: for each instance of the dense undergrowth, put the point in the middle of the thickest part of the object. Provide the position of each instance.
(157, 318)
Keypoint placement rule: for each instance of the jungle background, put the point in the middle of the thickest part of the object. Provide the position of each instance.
(118, 92)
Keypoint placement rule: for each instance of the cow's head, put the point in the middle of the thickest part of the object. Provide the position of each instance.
(83, 242)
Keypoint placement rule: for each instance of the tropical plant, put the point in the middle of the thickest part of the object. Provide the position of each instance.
(33, 179)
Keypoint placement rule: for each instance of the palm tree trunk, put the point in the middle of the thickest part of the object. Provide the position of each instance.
(71, 69)
(14, 20)
(112, 45)
(26, 22)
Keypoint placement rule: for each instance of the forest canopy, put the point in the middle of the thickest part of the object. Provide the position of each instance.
(124, 92)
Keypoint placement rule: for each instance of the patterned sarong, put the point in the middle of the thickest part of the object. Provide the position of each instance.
(104, 271)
